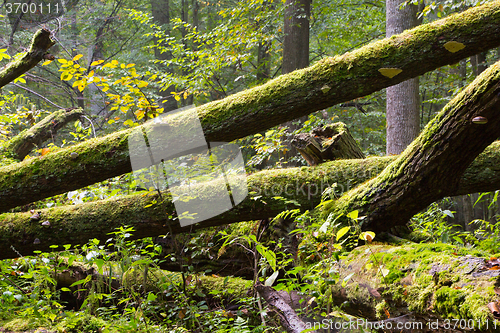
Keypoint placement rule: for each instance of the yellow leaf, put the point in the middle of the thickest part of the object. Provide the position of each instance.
(81, 87)
(177, 98)
(122, 66)
(91, 73)
(46, 62)
(142, 84)
(105, 89)
(390, 72)
(185, 95)
(66, 77)
(62, 61)
(453, 46)
(45, 151)
(77, 57)
(130, 65)
(97, 62)
(128, 122)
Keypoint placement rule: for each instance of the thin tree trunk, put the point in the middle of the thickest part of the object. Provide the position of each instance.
(402, 110)
(296, 35)
(161, 16)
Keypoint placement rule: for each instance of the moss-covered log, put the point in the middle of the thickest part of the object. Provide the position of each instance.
(423, 283)
(40, 44)
(434, 163)
(21, 145)
(328, 82)
(77, 224)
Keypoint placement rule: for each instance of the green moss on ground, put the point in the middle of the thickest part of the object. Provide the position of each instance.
(440, 278)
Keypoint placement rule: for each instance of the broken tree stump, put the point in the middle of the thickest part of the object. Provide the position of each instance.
(327, 143)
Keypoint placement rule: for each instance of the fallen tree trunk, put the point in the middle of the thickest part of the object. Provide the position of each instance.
(40, 44)
(328, 82)
(77, 224)
(20, 145)
(434, 163)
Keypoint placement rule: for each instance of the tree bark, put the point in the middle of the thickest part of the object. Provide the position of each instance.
(22, 144)
(434, 163)
(289, 319)
(161, 15)
(296, 35)
(77, 224)
(328, 82)
(402, 106)
(327, 143)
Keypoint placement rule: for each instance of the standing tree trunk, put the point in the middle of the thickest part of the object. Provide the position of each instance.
(161, 16)
(402, 111)
(295, 48)
(296, 40)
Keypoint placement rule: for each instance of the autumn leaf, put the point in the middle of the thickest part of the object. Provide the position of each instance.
(97, 62)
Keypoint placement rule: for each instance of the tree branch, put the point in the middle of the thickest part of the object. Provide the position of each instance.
(40, 44)
(329, 82)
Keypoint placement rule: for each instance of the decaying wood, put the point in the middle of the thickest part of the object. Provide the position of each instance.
(289, 319)
(22, 144)
(328, 82)
(434, 283)
(327, 143)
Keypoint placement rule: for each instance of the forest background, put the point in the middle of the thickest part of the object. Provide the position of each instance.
(126, 62)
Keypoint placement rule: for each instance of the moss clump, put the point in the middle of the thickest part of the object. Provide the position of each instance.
(448, 301)
(380, 309)
(234, 286)
(158, 279)
(82, 322)
(20, 324)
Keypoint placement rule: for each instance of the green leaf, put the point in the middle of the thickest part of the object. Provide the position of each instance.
(82, 281)
(342, 232)
(384, 271)
(448, 213)
(353, 215)
(151, 297)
